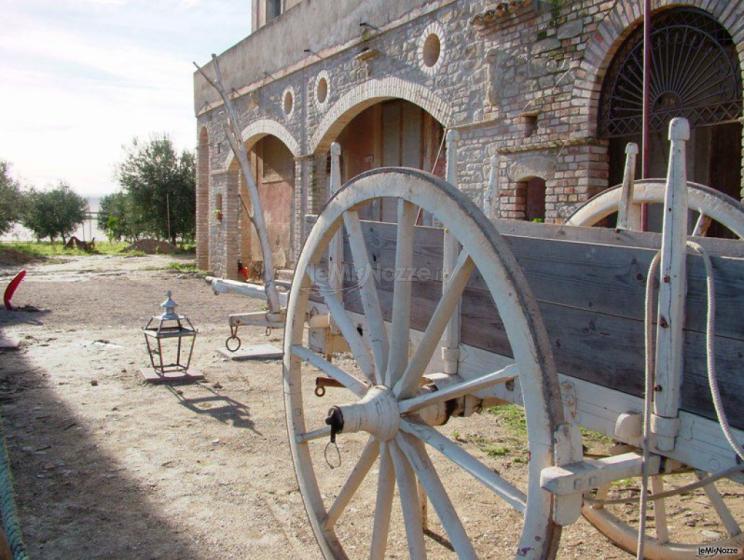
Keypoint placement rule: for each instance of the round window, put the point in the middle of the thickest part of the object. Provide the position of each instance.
(432, 50)
(321, 90)
(288, 102)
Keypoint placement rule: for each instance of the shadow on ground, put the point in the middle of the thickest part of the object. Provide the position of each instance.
(220, 407)
(66, 513)
(28, 315)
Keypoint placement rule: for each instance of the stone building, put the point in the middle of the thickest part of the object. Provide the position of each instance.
(549, 91)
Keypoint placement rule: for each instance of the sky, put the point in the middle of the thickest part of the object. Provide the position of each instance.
(79, 79)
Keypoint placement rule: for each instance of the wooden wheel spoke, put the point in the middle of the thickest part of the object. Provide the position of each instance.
(357, 476)
(344, 324)
(660, 514)
(460, 389)
(422, 465)
(383, 505)
(722, 510)
(447, 305)
(409, 502)
(702, 224)
(508, 492)
(401, 314)
(356, 386)
(368, 290)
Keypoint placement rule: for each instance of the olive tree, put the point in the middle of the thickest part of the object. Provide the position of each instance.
(54, 213)
(10, 198)
(160, 187)
(117, 217)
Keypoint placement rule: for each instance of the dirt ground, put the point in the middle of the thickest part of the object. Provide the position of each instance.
(107, 466)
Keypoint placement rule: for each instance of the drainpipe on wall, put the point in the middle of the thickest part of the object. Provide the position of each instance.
(646, 94)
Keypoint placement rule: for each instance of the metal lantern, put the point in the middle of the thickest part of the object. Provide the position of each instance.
(167, 337)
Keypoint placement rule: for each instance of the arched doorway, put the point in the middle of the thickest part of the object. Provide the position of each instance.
(274, 172)
(696, 75)
(391, 133)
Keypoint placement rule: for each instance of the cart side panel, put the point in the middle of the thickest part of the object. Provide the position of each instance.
(591, 296)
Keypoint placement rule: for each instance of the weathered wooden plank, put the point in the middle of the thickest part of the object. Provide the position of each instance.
(602, 349)
(598, 236)
(608, 236)
(602, 278)
(591, 297)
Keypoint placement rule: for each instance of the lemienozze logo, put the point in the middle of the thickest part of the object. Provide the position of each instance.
(711, 551)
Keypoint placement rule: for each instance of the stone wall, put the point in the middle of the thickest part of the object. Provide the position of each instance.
(522, 87)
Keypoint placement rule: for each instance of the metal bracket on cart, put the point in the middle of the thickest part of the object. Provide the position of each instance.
(569, 482)
(256, 318)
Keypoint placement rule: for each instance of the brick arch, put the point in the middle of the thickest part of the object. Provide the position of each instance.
(527, 167)
(370, 93)
(265, 127)
(619, 22)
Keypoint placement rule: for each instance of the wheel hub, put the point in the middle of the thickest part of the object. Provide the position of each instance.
(377, 413)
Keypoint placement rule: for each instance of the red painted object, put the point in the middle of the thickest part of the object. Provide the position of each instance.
(12, 287)
(243, 271)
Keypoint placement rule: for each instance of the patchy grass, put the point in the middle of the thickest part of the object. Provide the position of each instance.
(186, 249)
(514, 445)
(495, 449)
(186, 268)
(590, 436)
(116, 248)
(512, 418)
(626, 483)
(45, 249)
(41, 249)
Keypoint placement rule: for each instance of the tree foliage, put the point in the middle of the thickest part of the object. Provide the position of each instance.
(10, 198)
(54, 213)
(116, 217)
(160, 190)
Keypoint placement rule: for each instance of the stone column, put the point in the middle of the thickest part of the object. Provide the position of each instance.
(317, 191)
(231, 226)
(202, 208)
(304, 180)
(216, 227)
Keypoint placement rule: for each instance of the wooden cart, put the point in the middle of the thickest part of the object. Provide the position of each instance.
(440, 323)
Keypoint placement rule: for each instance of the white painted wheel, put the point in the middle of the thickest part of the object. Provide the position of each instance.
(382, 399)
(679, 535)
(709, 203)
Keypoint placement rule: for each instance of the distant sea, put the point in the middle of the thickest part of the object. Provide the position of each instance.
(87, 231)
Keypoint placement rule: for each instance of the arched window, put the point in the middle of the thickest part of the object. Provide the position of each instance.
(695, 74)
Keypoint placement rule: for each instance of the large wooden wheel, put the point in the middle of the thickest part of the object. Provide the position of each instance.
(710, 204)
(679, 531)
(384, 399)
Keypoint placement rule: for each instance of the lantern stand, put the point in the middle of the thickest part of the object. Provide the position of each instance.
(165, 327)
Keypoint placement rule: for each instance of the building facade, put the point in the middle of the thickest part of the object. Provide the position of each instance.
(547, 92)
